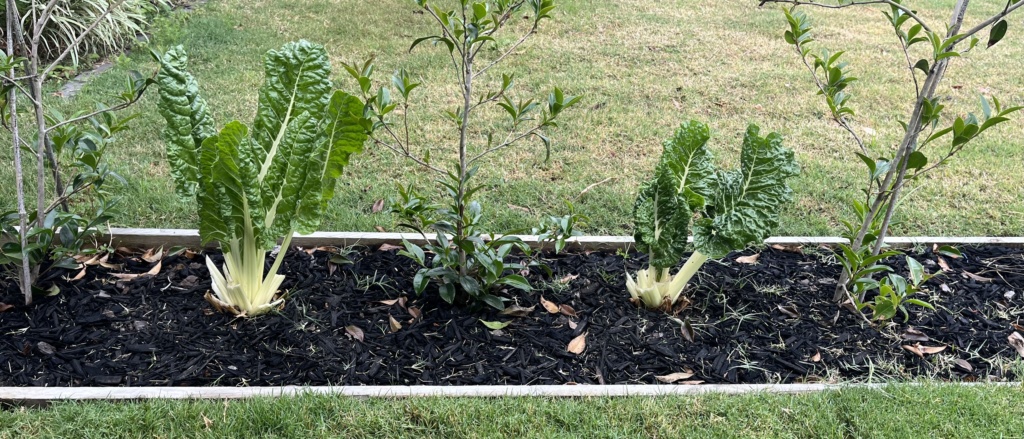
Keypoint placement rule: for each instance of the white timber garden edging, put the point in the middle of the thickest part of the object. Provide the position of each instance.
(42, 395)
(151, 238)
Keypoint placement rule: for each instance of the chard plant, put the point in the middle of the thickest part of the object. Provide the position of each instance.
(466, 267)
(256, 187)
(65, 151)
(728, 210)
(930, 137)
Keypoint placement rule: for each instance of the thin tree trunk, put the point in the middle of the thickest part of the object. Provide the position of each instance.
(467, 92)
(25, 277)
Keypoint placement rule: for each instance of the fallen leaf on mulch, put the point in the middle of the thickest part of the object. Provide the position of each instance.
(395, 326)
(567, 310)
(673, 377)
(921, 351)
(517, 311)
(1017, 341)
(790, 310)
(816, 357)
(385, 247)
(578, 344)
(798, 249)
(151, 256)
(970, 275)
(752, 259)
(914, 335)
(132, 276)
(415, 313)
(943, 264)
(549, 305)
(963, 364)
(5, 307)
(568, 278)
(355, 332)
(80, 274)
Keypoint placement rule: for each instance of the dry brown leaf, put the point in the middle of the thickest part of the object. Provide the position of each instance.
(103, 263)
(402, 301)
(568, 278)
(5, 307)
(395, 326)
(377, 206)
(943, 264)
(388, 302)
(379, 229)
(385, 247)
(132, 276)
(752, 259)
(517, 311)
(573, 325)
(355, 332)
(549, 305)
(963, 364)
(790, 310)
(1017, 341)
(567, 310)
(945, 288)
(220, 306)
(687, 330)
(921, 351)
(190, 254)
(80, 274)
(151, 256)
(977, 278)
(673, 377)
(578, 344)
(415, 313)
(94, 260)
(914, 335)
(816, 357)
(789, 248)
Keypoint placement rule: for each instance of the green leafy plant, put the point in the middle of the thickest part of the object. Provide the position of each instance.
(894, 292)
(71, 203)
(560, 229)
(260, 186)
(729, 210)
(930, 138)
(466, 267)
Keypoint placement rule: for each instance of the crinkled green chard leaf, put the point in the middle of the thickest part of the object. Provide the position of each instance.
(683, 181)
(746, 205)
(229, 206)
(188, 119)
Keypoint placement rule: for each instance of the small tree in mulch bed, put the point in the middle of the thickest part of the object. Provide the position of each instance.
(68, 147)
(466, 268)
(927, 48)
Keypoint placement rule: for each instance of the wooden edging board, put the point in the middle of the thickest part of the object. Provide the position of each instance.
(42, 395)
(151, 238)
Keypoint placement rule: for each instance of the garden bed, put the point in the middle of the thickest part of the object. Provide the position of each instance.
(767, 322)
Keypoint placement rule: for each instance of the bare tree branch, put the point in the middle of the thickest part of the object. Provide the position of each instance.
(910, 13)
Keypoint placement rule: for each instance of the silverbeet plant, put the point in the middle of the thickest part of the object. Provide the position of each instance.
(255, 187)
(729, 210)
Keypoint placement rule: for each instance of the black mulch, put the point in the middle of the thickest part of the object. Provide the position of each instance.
(158, 331)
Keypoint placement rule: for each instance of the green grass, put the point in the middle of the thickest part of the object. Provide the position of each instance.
(643, 66)
(899, 411)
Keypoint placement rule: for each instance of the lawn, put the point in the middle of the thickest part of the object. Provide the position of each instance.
(643, 67)
(898, 411)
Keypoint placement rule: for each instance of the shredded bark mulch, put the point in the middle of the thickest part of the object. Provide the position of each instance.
(772, 321)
